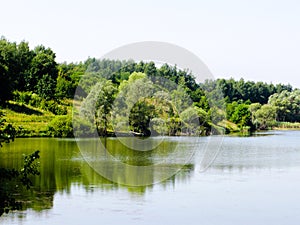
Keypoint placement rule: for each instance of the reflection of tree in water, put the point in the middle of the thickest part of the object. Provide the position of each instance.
(61, 167)
(14, 179)
(15, 184)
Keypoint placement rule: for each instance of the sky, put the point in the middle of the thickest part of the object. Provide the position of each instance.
(256, 40)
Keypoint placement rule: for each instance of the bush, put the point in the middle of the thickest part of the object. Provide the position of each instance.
(22, 97)
(34, 100)
(55, 108)
(61, 126)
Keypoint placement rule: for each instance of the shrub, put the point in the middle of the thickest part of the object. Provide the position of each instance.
(36, 101)
(22, 97)
(61, 126)
(55, 108)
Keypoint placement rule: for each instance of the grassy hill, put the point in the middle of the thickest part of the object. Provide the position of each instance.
(30, 121)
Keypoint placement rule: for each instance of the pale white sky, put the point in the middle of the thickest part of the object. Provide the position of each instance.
(253, 39)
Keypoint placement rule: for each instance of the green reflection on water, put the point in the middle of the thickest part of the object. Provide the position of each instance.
(62, 166)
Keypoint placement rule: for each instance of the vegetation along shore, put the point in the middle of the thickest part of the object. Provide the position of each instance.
(37, 97)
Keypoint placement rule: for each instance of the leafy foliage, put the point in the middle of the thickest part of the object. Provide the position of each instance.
(35, 100)
(26, 70)
(249, 90)
(264, 117)
(7, 176)
(7, 131)
(241, 115)
(32, 77)
(61, 126)
(287, 105)
(140, 115)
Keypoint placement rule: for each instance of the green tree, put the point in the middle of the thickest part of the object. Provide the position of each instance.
(131, 102)
(43, 73)
(241, 115)
(45, 87)
(140, 115)
(24, 58)
(287, 105)
(230, 109)
(97, 107)
(104, 104)
(194, 121)
(150, 69)
(9, 68)
(248, 90)
(253, 109)
(265, 117)
(64, 88)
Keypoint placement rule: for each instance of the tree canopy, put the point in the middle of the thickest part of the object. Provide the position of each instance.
(32, 76)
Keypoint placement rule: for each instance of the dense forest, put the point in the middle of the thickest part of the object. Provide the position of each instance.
(37, 96)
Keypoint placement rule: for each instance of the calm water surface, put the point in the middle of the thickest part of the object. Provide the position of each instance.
(253, 180)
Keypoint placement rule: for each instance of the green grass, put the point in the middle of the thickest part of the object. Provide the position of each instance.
(28, 121)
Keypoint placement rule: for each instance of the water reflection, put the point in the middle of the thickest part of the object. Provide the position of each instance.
(62, 167)
(123, 165)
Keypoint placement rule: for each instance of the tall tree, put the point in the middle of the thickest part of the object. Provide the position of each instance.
(8, 62)
(43, 73)
(265, 117)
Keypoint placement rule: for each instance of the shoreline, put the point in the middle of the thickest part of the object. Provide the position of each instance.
(232, 134)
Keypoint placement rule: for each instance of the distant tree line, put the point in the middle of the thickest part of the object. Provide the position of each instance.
(32, 76)
(255, 92)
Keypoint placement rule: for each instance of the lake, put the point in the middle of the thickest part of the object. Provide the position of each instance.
(253, 180)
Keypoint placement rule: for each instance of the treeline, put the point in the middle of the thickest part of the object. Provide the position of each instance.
(33, 77)
(255, 92)
(24, 69)
(257, 105)
(155, 100)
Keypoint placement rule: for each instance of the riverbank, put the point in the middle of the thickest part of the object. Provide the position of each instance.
(31, 121)
(287, 126)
